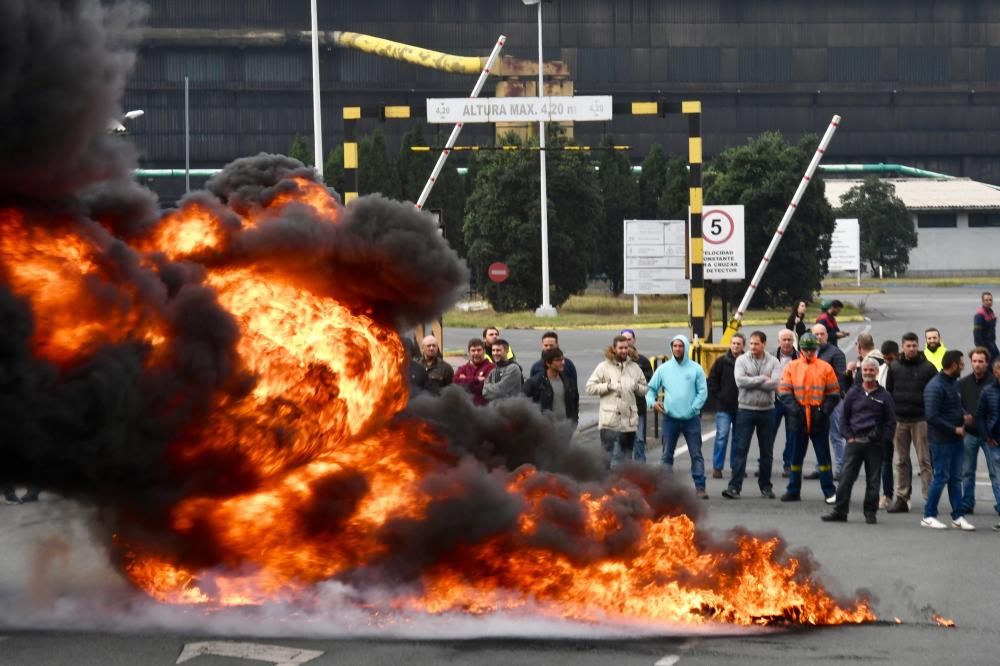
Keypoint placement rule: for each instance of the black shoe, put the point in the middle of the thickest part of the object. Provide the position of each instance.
(870, 518)
(30, 497)
(833, 517)
(788, 497)
(812, 476)
(11, 498)
(731, 494)
(899, 506)
(767, 494)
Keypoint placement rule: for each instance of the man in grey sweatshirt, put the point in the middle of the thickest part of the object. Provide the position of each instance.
(757, 378)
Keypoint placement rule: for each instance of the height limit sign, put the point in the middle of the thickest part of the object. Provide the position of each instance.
(722, 230)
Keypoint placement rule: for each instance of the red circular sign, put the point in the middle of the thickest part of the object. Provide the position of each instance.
(498, 271)
(717, 226)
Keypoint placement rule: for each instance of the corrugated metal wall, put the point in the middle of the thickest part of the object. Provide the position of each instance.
(756, 64)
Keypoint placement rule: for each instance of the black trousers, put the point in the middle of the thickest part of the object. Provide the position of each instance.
(854, 455)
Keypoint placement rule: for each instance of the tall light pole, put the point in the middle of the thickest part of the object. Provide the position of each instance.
(546, 309)
(317, 117)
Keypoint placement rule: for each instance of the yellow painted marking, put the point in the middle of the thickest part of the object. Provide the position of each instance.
(644, 108)
(694, 150)
(698, 302)
(695, 194)
(351, 155)
(397, 112)
(352, 112)
(697, 251)
(691, 107)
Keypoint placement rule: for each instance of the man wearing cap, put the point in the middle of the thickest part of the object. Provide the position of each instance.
(809, 390)
(828, 317)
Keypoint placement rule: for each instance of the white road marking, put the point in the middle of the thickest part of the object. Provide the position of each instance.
(275, 654)
(669, 660)
(682, 449)
(867, 328)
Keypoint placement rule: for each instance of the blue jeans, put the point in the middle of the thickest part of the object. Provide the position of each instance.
(639, 450)
(788, 452)
(946, 463)
(723, 426)
(748, 420)
(972, 444)
(820, 437)
(672, 429)
(617, 446)
(837, 440)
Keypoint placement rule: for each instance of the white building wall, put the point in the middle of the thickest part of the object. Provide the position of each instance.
(955, 251)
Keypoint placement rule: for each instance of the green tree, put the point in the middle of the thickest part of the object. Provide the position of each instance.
(414, 167)
(620, 191)
(448, 195)
(652, 182)
(376, 170)
(333, 171)
(762, 175)
(300, 150)
(503, 224)
(887, 233)
(578, 218)
(675, 200)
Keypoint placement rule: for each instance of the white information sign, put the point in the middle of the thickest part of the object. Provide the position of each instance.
(655, 257)
(723, 246)
(518, 109)
(845, 248)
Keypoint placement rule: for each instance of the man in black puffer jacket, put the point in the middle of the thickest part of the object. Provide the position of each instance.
(908, 376)
(722, 389)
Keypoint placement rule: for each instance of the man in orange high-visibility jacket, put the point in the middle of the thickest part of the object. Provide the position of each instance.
(809, 391)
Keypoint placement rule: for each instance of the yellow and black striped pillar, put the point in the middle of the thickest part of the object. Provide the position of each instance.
(352, 114)
(701, 315)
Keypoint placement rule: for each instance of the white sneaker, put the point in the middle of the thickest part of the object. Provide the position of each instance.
(963, 524)
(832, 499)
(933, 523)
(884, 502)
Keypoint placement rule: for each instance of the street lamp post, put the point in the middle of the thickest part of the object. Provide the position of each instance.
(317, 115)
(546, 309)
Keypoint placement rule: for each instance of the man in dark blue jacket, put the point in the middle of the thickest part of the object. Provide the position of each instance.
(988, 419)
(868, 421)
(946, 422)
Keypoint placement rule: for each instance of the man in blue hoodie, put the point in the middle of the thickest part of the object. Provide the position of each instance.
(684, 394)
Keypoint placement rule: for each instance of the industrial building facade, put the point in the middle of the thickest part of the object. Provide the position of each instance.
(916, 81)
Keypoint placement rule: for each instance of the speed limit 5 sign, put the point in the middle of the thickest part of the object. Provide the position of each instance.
(722, 232)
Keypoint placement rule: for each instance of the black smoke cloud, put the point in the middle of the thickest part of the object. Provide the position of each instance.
(385, 255)
(63, 67)
(99, 429)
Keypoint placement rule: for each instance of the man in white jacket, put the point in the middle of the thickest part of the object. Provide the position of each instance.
(619, 382)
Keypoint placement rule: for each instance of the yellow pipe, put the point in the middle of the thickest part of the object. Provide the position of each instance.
(411, 54)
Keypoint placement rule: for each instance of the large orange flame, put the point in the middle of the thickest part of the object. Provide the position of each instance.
(332, 465)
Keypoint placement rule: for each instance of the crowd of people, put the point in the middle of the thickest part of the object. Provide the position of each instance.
(872, 411)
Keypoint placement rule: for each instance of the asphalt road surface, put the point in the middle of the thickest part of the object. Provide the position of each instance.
(62, 603)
